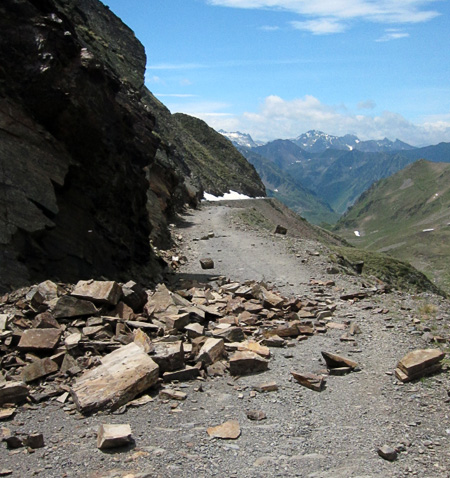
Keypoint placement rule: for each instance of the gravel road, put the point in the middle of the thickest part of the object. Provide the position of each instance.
(334, 433)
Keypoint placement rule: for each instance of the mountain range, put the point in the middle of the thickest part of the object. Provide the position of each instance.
(334, 170)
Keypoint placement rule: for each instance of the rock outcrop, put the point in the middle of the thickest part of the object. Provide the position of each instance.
(91, 164)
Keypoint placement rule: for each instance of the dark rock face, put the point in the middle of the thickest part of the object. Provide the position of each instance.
(75, 136)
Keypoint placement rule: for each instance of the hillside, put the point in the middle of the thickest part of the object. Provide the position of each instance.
(279, 184)
(407, 216)
(218, 164)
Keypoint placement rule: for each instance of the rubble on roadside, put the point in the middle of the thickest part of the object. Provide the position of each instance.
(99, 344)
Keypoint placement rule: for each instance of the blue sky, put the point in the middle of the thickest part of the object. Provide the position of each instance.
(277, 68)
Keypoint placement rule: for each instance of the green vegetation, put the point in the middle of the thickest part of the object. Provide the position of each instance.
(406, 215)
(396, 274)
(215, 160)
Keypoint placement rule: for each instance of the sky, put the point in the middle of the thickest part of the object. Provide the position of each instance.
(278, 68)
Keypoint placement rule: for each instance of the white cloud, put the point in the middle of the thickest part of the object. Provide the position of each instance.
(321, 26)
(392, 34)
(278, 118)
(332, 16)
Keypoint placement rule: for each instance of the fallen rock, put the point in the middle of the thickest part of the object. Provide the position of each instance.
(243, 363)
(6, 413)
(13, 392)
(387, 453)
(38, 369)
(310, 380)
(113, 436)
(122, 375)
(35, 440)
(171, 394)
(39, 339)
(68, 306)
(183, 375)
(227, 431)
(211, 351)
(256, 415)
(169, 356)
(281, 230)
(207, 263)
(266, 387)
(419, 363)
(274, 341)
(101, 292)
(336, 361)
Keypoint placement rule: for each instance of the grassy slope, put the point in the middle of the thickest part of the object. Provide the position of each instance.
(393, 214)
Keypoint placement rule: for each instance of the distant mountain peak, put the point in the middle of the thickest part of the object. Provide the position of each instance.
(240, 139)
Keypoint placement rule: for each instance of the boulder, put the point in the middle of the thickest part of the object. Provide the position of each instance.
(310, 380)
(336, 361)
(169, 356)
(227, 431)
(122, 375)
(13, 392)
(419, 363)
(38, 369)
(68, 306)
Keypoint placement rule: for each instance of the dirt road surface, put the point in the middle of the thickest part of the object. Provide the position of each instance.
(330, 434)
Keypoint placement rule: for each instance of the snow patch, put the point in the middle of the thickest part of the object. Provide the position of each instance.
(357, 233)
(231, 196)
(427, 230)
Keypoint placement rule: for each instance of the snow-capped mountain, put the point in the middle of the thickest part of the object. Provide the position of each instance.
(240, 139)
(316, 142)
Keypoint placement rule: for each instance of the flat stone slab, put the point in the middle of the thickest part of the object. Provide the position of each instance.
(122, 375)
(227, 431)
(418, 360)
(68, 306)
(310, 380)
(39, 339)
(38, 369)
(337, 361)
(102, 292)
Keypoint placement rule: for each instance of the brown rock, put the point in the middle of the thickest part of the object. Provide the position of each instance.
(45, 321)
(274, 341)
(227, 431)
(122, 375)
(39, 339)
(419, 363)
(13, 392)
(177, 321)
(336, 361)
(101, 292)
(387, 453)
(310, 380)
(143, 340)
(169, 356)
(171, 394)
(187, 373)
(35, 440)
(207, 263)
(68, 306)
(134, 296)
(6, 413)
(211, 351)
(255, 347)
(194, 330)
(113, 436)
(243, 363)
(229, 334)
(266, 387)
(38, 369)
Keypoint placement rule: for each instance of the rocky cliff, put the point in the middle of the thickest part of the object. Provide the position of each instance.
(90, 166)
